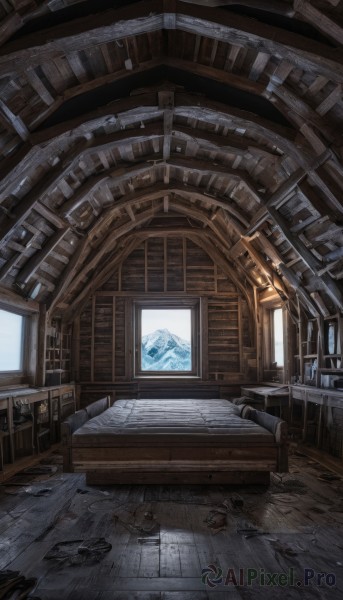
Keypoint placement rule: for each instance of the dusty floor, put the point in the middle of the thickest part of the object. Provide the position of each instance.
(174, 543)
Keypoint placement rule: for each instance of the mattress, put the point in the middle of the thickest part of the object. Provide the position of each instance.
(171, 422)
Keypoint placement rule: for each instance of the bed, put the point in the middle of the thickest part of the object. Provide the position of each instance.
(174, 441)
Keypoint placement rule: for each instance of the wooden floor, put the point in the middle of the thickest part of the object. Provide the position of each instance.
(158, 539)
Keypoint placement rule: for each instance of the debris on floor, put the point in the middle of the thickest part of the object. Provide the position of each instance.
(16, 586)
(328, 476)
(216, 519)
(31, 490)
(77, 552)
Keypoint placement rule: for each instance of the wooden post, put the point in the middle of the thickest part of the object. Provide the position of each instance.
(75, 350)
(41, 354)
(204, 337)
(93, 338)
(113, 338)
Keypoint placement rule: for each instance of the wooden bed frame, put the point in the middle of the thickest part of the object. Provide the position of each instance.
(147, 449)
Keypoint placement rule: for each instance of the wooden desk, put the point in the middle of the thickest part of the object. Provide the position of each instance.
(56, 397)
(265, 397)
(324, 398)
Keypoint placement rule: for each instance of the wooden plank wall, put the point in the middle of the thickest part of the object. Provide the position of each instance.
(165, 267)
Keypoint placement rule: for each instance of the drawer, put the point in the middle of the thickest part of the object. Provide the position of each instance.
(298, 393)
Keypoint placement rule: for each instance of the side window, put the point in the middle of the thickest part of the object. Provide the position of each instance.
(277, 337)
(11, 341)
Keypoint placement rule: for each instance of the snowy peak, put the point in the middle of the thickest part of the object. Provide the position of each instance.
(165, 351)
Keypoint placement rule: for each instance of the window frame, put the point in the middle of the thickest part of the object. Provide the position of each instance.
(193, 304)
(23, 340)
(27, 372)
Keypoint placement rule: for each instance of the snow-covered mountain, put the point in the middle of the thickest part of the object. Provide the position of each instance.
(164, 351)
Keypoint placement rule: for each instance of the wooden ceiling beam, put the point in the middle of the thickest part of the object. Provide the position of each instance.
(280, 196)
(104, 115)
(331, 288)
(49, 182)
(72, 277)
(193, 163)
(303, 295)
(13, 122)
(108, 243)
(273, 6)
(158, 191)
(77, 305)
(295, 104)
(230, 142)
(166, 103)
(112, 25)
(227, 78)
(68, 274)
(9, 25)
(222, 262)
(38, 258)
(88, 86)
(56, 173)
(317, 18)
(237, 30)
(267, 270)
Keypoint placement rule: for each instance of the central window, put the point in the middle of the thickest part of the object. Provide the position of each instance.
(166, 338)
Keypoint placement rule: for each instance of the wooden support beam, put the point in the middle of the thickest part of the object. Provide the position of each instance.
(331, 288)
(39, 87)
(34, 263)
(271, 275)
(320, 21)
(68, 274)
(14, 123)
(330, 101)
(26, 204)
(50, 215)
(113, 25)
(80, 196)
(108, 244)
(223, 264)
(227, 78)
(166, 102)
(51, 181)
(299, 107)
(82, 298)
(281, 195)
(158, 191)
(304, 297)
(9, 25)
(41, 351)
(11, 299)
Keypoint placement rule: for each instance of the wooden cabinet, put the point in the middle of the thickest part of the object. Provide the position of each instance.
(30, 420)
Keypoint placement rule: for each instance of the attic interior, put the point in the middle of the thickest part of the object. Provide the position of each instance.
(179, 156)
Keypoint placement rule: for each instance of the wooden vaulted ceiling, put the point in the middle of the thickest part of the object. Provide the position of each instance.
(217, 121)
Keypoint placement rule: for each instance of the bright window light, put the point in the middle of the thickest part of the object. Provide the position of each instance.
(11, 337)
(278, 337)
(166, 340)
